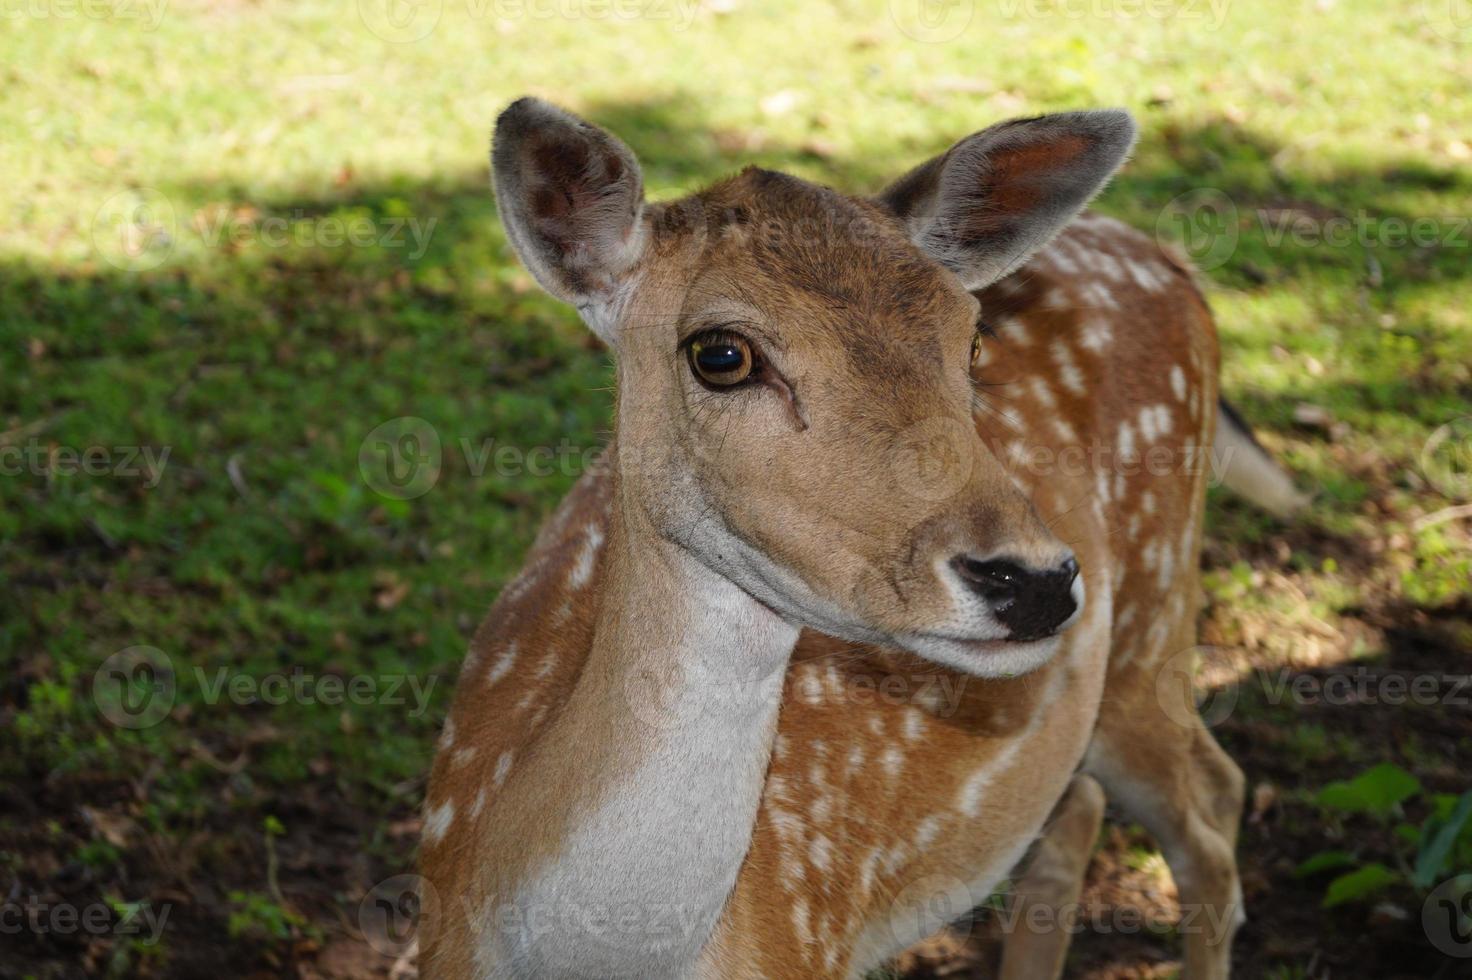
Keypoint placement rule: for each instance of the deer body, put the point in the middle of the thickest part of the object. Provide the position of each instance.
(677, 750)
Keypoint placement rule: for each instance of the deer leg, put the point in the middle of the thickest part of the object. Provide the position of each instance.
(1040, 921)
(1163, 768)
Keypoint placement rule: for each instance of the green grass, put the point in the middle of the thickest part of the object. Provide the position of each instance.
(260, 352)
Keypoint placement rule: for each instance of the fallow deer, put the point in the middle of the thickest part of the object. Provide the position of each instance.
(877, 570)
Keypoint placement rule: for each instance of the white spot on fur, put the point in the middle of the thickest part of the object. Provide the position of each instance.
(1061, 262)
(928, 830)
(1014, 330)
(1126, 440)
(1146, 276)
(820, 852)
(438, 821)
(1147, 424)
(1167, 568)
(893, 760)
(974, 789)
(1178, 382)
(868, 870)
(800, 922)
(1100, 296)
(503, 769)
(1096, 335)
(502, 665)
(1163, 421)
(1043, 393)
(582, 570)
(817, 775)
(1068, 371)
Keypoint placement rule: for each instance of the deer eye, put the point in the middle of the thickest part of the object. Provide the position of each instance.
(720, 359)
(976, 343)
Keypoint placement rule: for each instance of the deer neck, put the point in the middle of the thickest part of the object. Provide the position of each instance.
(672, 719)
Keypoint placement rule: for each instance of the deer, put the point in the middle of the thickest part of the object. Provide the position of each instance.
(835, 633)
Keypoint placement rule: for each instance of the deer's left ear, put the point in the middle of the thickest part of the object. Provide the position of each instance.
(986, 204)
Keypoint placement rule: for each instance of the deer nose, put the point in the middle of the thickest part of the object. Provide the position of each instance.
(1031, 603)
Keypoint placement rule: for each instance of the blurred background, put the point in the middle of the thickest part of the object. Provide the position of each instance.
(250, 266)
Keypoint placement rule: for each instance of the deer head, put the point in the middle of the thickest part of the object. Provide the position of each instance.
(794, 371)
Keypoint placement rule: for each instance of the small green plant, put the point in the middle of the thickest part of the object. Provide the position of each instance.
(99, 855)
(1421, 855)
(254, 915)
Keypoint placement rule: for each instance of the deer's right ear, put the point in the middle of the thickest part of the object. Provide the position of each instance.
(571, 197)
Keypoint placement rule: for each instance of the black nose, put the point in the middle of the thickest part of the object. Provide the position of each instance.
(1032, 604)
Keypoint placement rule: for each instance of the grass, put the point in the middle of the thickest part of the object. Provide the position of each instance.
(177, 276)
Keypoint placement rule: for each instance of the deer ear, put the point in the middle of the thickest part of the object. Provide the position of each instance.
(571, 198)
(986, 204)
